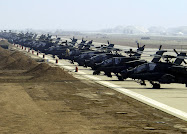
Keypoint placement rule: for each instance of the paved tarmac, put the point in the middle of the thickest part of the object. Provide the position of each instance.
(171, 98)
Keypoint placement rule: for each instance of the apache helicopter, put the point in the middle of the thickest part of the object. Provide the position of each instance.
(56, 40)
(99, 58)
(59, 50)
(73, 41)
(85, 56)
(107, 48)
(108, 52)
(83, 42)
(160, 72)
(77, 50)
(84, 45)
(117, 64)
(70, 43)
(43, 45)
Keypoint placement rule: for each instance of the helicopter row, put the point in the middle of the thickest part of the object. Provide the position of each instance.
(108, 59)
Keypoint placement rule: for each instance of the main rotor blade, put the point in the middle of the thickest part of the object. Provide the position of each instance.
(175, 51)
(138, 45)
(184, 62)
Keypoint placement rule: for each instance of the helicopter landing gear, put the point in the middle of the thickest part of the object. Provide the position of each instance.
(108, 74)
(120, 78)
(85, 64)
(72, 61)
(155, 85)
(96, 72)
(142, 83)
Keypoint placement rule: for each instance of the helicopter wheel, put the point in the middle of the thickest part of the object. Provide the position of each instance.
(156, 86)
(85, 65)
(120, 78)
(142, 82)
(96, 72)
(108, 74)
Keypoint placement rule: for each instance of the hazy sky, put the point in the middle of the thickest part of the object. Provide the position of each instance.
(91, 14)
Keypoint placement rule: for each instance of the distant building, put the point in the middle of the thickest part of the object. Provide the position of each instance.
(145, 38)
(179, 33)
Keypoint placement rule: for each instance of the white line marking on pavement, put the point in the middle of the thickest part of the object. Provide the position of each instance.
(142, 98)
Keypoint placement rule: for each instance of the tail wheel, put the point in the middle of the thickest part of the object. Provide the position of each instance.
(96, 72)
(120, 78)
(108, 74)
(156, 86)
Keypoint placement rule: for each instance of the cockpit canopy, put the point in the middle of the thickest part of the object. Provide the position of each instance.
(107, 62)
(117, 60)
(97, 57)
(147, 67)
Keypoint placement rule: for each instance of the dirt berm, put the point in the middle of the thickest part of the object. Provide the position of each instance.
(40, 99)
(44, 72)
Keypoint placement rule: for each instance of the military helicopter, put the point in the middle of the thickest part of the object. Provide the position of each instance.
(117, 63)
(107, 48)
(93, 61)
(59, 50)
(87, 55)
(73, 41)
(83, 42)
(108, 52)
(160, 72)
(79, 49)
